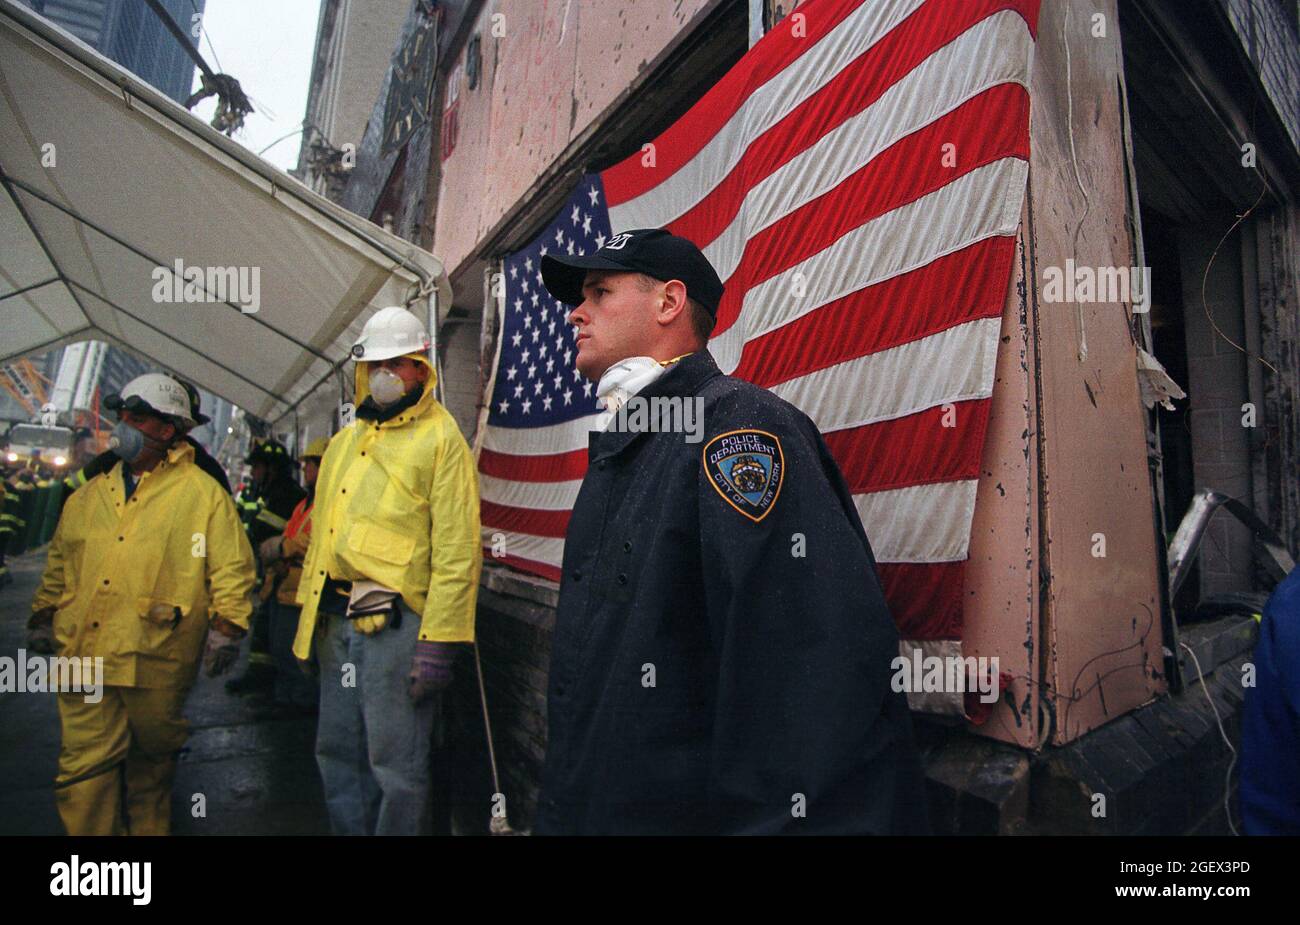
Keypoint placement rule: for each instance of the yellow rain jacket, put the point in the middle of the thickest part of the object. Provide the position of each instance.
(397, 503)
(137, 581)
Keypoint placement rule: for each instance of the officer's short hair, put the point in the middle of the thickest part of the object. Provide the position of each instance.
(702, 322)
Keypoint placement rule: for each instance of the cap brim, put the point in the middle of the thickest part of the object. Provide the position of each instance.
(563, 276)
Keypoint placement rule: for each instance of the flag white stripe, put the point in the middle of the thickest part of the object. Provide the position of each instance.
(920, 523)
(539, 496)
(526, 546)
(956, 364)
(541, 441)
(765, 107)
(981, 204)
(960, 362)
(974, 62)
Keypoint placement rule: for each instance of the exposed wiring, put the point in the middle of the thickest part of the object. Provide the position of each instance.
(204, 30)
(1074, 157)
(1205, 278)
(1227, 780)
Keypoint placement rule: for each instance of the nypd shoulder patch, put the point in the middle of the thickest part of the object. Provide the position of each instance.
(746, 468)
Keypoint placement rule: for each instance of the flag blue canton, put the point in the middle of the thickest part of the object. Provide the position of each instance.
(537, 382)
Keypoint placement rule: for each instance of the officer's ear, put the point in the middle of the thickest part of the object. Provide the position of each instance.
(672, 302)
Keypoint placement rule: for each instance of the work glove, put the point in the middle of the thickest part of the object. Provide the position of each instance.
(222, 648)
(371, 623)
(40, 631)
(271, 550)
(431, 668)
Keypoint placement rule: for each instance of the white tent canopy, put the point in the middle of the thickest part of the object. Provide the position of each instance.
(108, 183)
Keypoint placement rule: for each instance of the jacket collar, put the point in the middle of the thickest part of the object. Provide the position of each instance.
(685, 377)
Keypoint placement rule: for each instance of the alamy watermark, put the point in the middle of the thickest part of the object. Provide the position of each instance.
(41, 674)
(76, 877)
(1098, 284)
(946, 674)
(240, 286)
(661, 414)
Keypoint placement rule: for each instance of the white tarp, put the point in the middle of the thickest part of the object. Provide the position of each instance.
(105, 180)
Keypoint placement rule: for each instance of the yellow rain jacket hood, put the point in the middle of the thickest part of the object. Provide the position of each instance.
(137, 580)
(397, 503)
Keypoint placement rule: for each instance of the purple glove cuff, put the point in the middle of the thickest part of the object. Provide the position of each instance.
(433, 661)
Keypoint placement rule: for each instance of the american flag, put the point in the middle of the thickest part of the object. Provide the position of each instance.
(856, 180)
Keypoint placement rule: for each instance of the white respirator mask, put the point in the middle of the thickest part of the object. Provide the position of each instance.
(386, 387)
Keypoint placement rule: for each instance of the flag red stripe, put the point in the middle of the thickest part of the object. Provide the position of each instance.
(532, 521)
(553, 467)
(689, 134)
(889, 181)
(958, 287)
(913, 450)
(854, 89)
(925, 598)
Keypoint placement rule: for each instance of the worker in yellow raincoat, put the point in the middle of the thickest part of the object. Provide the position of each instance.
(389, 583)
(148, 570)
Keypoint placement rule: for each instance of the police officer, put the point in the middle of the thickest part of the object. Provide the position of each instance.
(722, 648)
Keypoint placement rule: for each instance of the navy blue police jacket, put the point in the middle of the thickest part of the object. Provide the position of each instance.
(722, 651)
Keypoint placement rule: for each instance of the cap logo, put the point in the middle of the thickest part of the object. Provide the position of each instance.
(618, 242)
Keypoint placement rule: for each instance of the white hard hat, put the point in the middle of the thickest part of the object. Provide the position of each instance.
(390, 332)
(156, 393)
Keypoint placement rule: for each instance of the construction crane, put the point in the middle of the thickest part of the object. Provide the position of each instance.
(21, 380)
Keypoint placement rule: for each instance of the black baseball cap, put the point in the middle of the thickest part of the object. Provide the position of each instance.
(652, 251)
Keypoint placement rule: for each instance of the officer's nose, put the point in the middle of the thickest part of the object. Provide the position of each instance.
(579, 317)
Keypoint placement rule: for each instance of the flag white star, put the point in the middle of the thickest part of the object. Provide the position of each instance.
(568, 394)
(535, 298)
(519, 390)
(528, 321)
(519, 304)
(537, 387)
(559, 237)
(594, 194)
(528, 264)
(550, 365)
(536, 333)
(576, 375)
(528, 403)
(504, 406)
(568, 355)
(510, 374)
(586, 224)
(541, 351)
(532, 371)
(523, 284)
(543, 250)
(570, 249)
(524, 356)
(514, 341)
(514, 272)
(546, 403)
(586, 388)
(574, 216)
(559, 380)
(600, 240)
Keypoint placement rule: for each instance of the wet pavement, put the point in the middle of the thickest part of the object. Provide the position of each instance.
(257, 777)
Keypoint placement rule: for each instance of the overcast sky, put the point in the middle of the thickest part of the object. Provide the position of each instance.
(267, 46)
